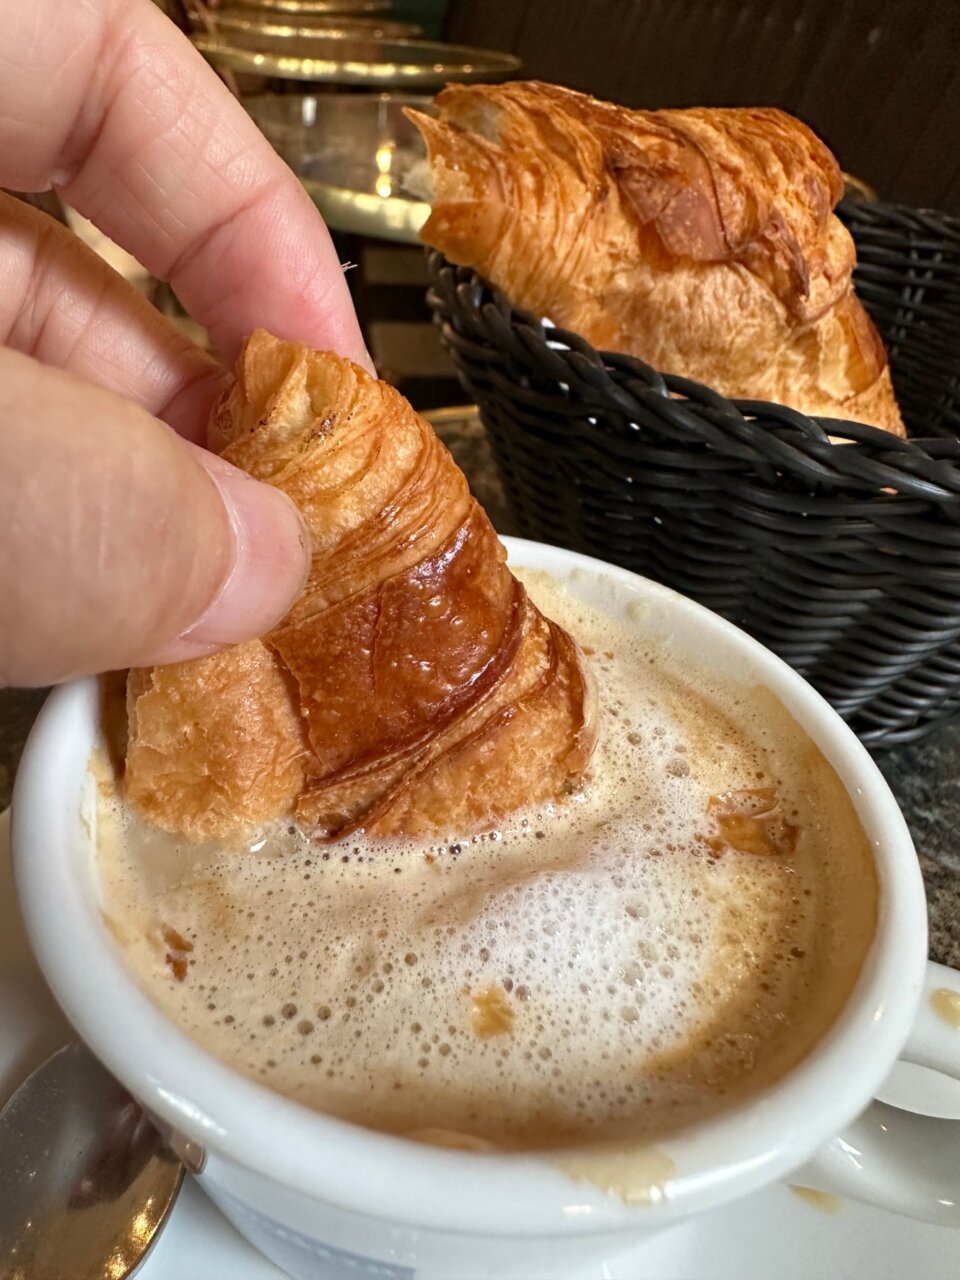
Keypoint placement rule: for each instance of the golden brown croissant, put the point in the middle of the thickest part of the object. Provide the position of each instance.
(701, 241)
(413, 688)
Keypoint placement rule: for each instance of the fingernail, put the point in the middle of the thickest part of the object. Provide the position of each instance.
(270, 565)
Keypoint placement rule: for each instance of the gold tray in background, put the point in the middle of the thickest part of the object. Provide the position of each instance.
(301, 7)
(354, 154)
(288, 26)
(855, 188)
(412, 64)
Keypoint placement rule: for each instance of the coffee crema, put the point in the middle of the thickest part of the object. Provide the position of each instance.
(662, 943)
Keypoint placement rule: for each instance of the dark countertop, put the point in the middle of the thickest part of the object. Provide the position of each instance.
(925, 778)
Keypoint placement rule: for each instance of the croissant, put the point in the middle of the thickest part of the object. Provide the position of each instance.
(413, 688)
(701, 241)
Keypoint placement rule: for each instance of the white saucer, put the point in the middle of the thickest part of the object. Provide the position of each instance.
(774, 1235)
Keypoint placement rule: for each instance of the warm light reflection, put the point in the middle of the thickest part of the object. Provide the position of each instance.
(383, 158)
(116, 1266)
(142, 1227)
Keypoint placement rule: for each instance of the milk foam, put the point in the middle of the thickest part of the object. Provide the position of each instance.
(586, 971)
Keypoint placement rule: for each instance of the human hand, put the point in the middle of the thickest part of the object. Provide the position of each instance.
(122, 541)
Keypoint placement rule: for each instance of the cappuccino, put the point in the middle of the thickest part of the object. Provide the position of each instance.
(664, 941)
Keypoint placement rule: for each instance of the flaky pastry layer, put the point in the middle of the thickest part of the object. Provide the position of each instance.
(414, 688)
(702, 241)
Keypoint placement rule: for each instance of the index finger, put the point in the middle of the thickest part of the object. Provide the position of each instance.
(108, 102)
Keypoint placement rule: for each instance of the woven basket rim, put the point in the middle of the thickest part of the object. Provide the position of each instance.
(920, 216)
(842, 555)
(857, 457)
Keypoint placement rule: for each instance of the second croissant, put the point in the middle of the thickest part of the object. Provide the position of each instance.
(702, 241)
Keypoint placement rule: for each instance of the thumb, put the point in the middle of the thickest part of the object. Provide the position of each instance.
(122, 544)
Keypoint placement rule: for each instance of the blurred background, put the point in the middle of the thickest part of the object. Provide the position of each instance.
(879, 80)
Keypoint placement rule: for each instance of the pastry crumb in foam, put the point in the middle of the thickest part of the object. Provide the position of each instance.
(587, 970)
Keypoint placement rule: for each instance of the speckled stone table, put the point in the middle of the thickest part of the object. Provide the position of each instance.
(925, 778)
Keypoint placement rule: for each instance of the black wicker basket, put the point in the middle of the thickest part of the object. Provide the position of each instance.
(844, 558)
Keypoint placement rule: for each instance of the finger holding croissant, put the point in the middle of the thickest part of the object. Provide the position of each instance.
(413, 688)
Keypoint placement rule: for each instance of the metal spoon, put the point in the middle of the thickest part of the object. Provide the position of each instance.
(86, 1181)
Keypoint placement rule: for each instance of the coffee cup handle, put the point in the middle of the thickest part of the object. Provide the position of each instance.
(903, 1153)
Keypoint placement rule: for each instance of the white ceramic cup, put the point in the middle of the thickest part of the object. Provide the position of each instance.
(325, 1199)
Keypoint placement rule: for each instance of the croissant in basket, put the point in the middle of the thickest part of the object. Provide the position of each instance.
(413, 688)
(702, 241)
